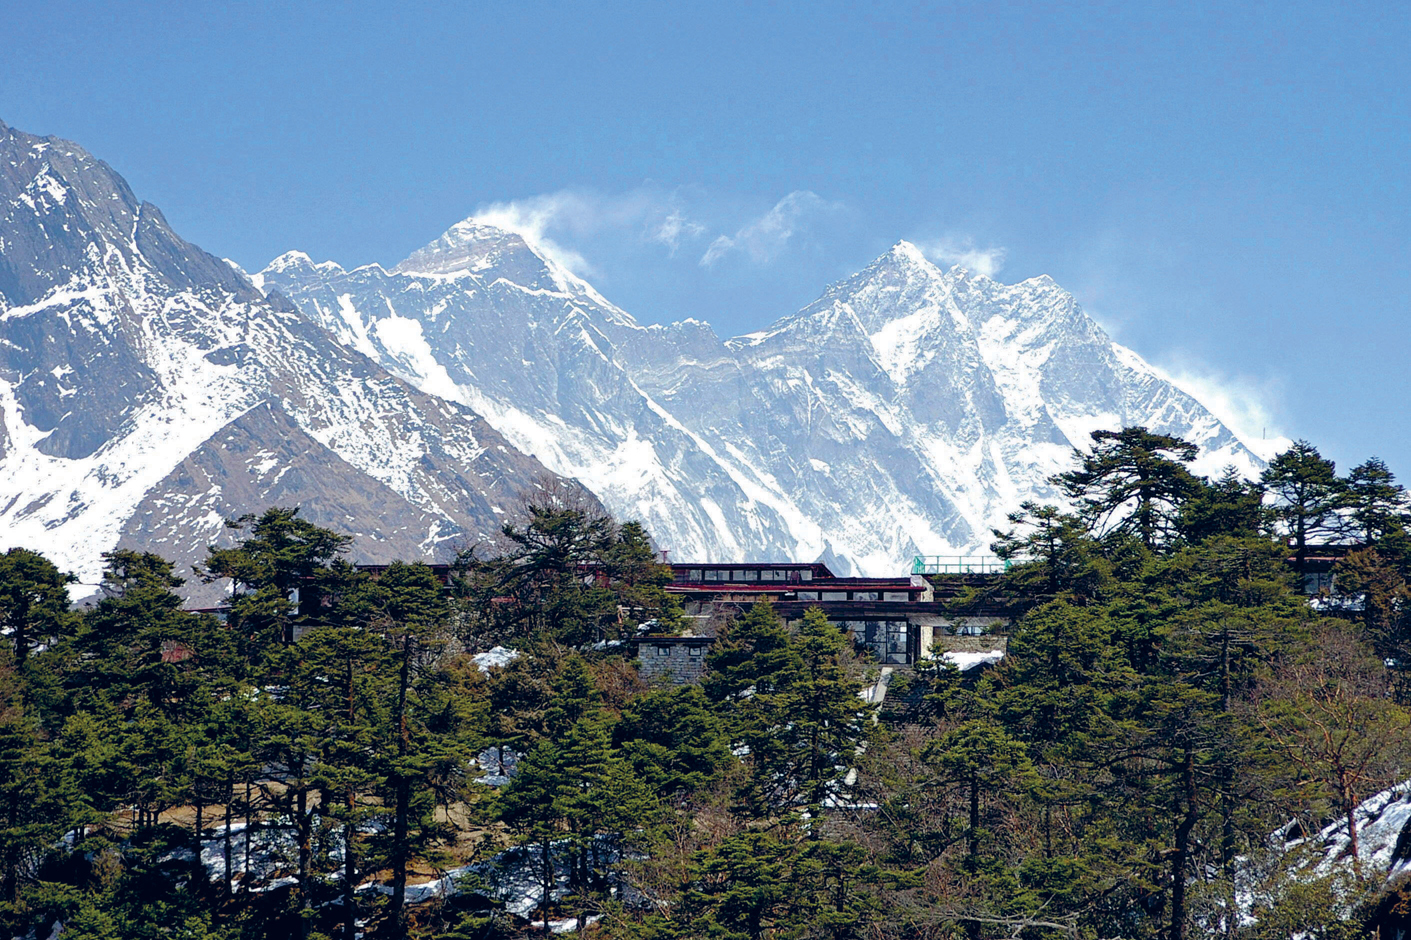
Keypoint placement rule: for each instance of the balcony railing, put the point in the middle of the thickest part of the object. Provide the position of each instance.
(958, 564)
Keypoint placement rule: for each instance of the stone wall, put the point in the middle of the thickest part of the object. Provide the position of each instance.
(672, 660)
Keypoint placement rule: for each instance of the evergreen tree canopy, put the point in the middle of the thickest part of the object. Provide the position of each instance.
(1307, 496)
(34, 602)
(1132, 481)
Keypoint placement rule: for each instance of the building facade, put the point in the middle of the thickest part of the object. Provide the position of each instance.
(896, 619)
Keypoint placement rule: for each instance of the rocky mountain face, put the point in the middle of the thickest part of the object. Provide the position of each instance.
(904, 412)
(149, 391)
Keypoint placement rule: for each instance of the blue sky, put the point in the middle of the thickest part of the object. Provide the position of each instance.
(1223, 186)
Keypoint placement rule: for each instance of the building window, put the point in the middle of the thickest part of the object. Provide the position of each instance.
(884, 639)
(693, 575)
(835, 595)
(808, 595)
(865, 595)
(902, 596)
(806, 574)
(695, 651)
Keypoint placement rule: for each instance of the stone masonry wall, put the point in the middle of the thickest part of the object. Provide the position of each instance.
(674, 663)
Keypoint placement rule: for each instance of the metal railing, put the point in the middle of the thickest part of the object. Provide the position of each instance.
(958, 564)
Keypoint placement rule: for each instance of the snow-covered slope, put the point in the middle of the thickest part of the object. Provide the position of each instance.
(1292, 856)
(148, 391)
(905, 411)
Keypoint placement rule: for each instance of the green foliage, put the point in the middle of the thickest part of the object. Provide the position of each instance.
(673, 741)
(1307, 496)
(1168, 700)
(1057, 552)
(1133, 481)
(1228, 507)
(34, 603)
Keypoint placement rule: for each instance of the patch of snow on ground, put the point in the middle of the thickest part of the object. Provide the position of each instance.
(1380, 822)
(496, 657)
(500, 764)
(967, 661)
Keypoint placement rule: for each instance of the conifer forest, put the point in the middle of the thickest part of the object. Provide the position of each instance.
(469, 751)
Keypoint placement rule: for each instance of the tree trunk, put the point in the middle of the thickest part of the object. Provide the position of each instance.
(1181, 853)
(1349, 804)
(301, 824)
(548, 870)
(399, 858)
(245, 868)
(350, 831)
(400, 822)
(1227, 797)
(229, 798)
(350, 874)
(973, 836)
(11, 874)
(198, 870)
(972, 927)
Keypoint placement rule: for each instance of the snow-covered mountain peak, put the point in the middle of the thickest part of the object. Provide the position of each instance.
(472, 247)
(145, 386)
(904, 252)
(905, 410)
(480, 251)
(300, 261)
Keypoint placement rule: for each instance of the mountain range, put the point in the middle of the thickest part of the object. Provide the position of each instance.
(149, 390)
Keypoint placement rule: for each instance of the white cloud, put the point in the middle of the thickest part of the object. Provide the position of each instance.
(1247, 406)
(548, 220)
(767, 235)
(532, 218)
(673, 227)
(961, 250)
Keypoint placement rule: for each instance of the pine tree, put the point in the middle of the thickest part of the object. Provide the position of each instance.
(34, 603)
(673, 741)
(408, 608)
(1307, 494)
(551, 581)
(1132, 481)
(753, 656)
(38, 802)
(744, 888)
(1377, 503)
(1229, 506)
(275, 573)
(342, 673)
(1055, 554)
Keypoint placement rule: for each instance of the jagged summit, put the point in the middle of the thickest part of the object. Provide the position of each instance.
(143, 384)
(471, 246)
(148, 391)
(906, 410)
(907, 253)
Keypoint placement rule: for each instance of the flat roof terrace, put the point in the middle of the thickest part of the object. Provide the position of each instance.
(745, 572)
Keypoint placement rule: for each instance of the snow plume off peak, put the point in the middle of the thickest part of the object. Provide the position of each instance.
(962, 251)
(654, 214)
(904, 412)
